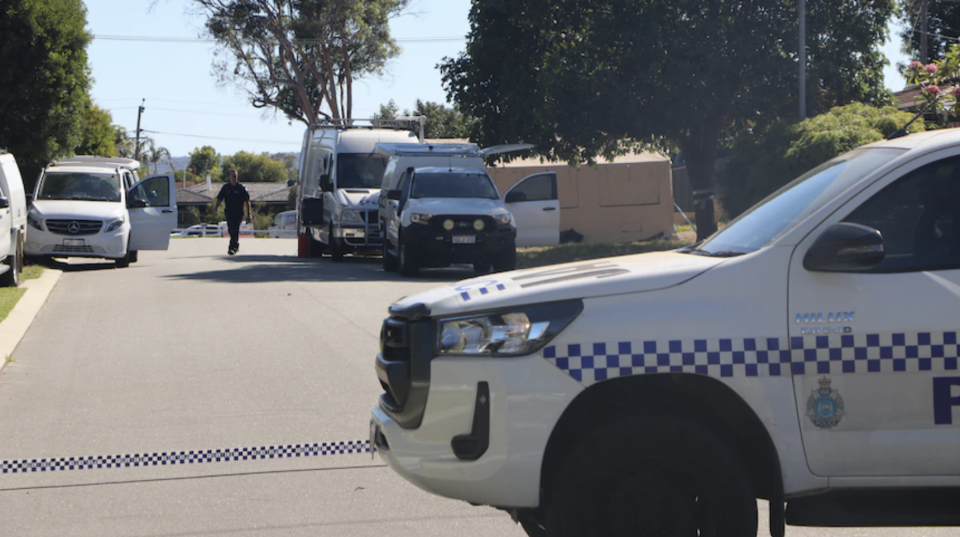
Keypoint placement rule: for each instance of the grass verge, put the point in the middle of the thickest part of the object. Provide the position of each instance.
(565, 253)
(9, 296)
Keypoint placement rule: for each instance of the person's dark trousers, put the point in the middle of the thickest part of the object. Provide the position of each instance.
(233, 227)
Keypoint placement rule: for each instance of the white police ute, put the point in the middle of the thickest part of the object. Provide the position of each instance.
(806, 354)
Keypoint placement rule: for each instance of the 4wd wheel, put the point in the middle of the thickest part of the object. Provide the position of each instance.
(389, 260)
(316, 247)
(11, 278)
(481, 267)
(409, 266)
(336, 253)
(506, 261)
(651, 477)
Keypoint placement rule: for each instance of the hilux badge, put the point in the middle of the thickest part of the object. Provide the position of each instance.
(825, 406)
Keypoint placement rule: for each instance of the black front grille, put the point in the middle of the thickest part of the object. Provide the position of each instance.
(395, 340)
(371, 217)
(74, 227)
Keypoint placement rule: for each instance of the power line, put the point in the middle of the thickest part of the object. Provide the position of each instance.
(223, 138)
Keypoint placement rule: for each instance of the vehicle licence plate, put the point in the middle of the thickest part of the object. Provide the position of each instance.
(464, 239)
(73, 242)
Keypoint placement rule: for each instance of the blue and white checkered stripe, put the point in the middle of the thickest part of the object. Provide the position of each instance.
(482, 291)
(185, 457)
(759, 357)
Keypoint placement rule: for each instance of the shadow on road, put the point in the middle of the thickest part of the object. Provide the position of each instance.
(72, 266)
(277, 268)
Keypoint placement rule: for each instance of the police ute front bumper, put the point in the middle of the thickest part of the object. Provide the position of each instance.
(469, 428)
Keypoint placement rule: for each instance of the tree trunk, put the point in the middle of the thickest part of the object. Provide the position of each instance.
(700, 151)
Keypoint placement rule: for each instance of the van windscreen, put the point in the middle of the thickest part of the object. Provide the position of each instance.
(360, 170)
(80, 186)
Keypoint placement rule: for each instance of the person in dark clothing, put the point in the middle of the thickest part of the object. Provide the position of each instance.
(234, 197)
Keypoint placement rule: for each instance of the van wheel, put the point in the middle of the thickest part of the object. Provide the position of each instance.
(409, 266)
(133, 256)
(506, 261)
(11, 278)
(389, 260)
(123, 262)
(651, 477)
(336, 253)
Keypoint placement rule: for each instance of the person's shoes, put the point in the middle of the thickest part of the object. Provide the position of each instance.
(231, 251)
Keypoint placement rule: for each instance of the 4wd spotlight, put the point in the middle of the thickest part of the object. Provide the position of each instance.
(478, 224)
(448, 224)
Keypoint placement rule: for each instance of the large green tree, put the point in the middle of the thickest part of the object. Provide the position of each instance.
(44, 79)
(203, 160)
(588, 78)
(97, 133)
(301, 56)
(254, 168)
(943, 27)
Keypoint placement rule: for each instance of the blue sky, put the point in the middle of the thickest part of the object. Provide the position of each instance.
(186, 107)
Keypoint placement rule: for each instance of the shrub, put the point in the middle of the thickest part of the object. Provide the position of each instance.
(766, 159)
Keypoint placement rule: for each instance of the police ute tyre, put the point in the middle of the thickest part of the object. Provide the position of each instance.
(316, 247)
(11, 278)
(336, 253)
(409, 266)
(650, 477)
(389, 260)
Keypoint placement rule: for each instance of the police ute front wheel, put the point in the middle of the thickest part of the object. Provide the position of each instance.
(650, 477)
(389, 260)
(409, 266)
(335, 249)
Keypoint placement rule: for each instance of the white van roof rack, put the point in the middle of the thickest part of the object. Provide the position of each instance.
(448, 149)
(412, 123)
(88, 160)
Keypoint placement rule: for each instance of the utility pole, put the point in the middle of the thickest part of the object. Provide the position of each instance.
(803, 60)
(923, 31)
(136, 149)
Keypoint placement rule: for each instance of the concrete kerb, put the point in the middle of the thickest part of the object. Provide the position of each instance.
(13, 328)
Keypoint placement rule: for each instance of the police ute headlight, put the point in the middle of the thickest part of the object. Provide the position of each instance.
(350, 217)
(420, 218)
(115, 224)
(512, 332)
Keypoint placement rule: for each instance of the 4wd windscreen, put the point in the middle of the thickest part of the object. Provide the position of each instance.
(785, 208)
(453, 185)
(360, 170)
(80, 186)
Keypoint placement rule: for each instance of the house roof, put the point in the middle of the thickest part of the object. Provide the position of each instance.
(907, 98)
(274, 193)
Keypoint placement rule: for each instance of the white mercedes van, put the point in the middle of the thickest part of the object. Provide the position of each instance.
(97, 207)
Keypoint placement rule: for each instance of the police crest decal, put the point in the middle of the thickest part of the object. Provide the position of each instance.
(825, 406)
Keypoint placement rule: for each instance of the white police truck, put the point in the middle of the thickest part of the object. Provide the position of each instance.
(806, 354)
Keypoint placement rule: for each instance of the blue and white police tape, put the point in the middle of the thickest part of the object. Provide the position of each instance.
(186, 457)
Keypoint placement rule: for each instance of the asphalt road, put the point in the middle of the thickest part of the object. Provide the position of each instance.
(191, 350)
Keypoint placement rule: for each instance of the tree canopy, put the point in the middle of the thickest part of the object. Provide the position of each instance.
(943, 27)
(44, 79)
(97, 133)
(301, 56)
(204, 160)
(256, 168)
(767, 158)
(589, 78)
(442, 121)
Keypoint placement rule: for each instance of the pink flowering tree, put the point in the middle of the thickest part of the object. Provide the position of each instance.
(939, 82)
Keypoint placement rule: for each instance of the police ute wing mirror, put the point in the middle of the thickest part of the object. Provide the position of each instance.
(845, 247)
(394, 194)
(325, 184)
